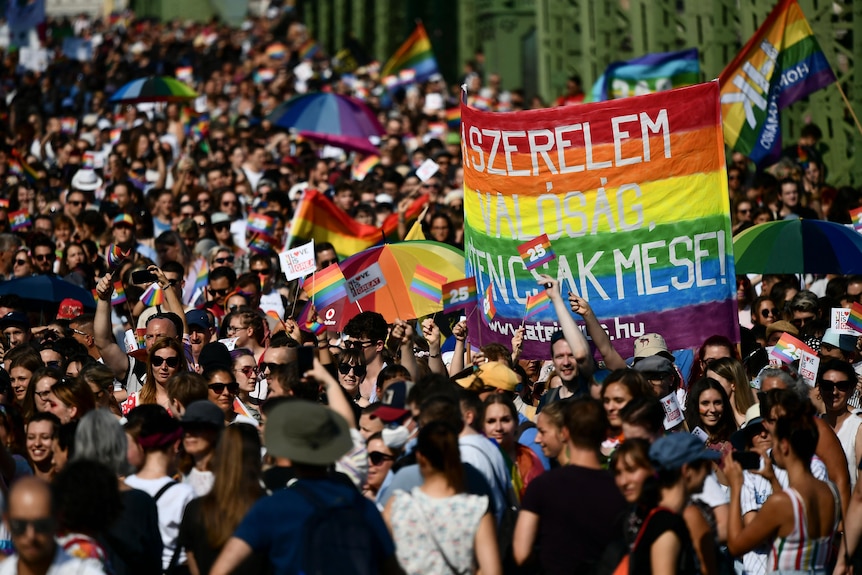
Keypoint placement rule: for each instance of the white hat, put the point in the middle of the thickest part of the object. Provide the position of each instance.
(383, 199)
(86, 180)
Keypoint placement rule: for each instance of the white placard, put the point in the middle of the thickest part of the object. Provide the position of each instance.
(809, 364)
(298, 262)
(365, 282)
(130, 341)
(672, 410)
(839, 319)
(427, 169)
(33, 59)
(229, 342)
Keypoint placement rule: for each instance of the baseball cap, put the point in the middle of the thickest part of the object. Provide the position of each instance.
(394, 403)
(70, 309)
(199, 318)
(203, 412)
(654, 364)
(124, 220)
(491, 374)
(674, 450)
(219, 218)
(18, 318)
(651, 344)
(843, 341)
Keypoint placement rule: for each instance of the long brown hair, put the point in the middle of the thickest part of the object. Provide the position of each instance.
(237, 470)
(438, 443)
(148, 392)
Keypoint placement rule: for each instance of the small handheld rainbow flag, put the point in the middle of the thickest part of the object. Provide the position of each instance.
(536, 304)
(459, 294)
(789, 349)
(427, 284)
(536, 252)
(202, 277)
(116, 255)
(453, 118)
(115, 136)
(856, 218)
(315, 327)
(261, 224)
(276, 51)
(327, 286)
(239, 408)
(488, 308)
(19, 220)
(261, 244)
(854, 320)
(27, 170)
(361, 169)
(153, 296)
(68, 126)
(185, 74)
(264, 75)
(308, 50)
(119, 295)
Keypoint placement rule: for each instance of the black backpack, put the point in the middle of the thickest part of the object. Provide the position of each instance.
(337, 539)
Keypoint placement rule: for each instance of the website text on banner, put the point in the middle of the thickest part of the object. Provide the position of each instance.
(633, 196)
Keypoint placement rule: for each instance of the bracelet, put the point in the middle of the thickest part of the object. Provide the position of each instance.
(433, 355)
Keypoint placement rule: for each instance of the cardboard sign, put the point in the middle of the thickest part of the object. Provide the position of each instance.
(672, 411)
(838, 321)
(365, 283)
(298, 262)
(427, 169)
(809, 363)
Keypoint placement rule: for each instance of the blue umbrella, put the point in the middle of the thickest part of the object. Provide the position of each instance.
(43, 291)
(798, 246)
(153, 89)
(329, 118)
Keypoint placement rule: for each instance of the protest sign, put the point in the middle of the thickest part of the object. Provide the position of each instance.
(633, 196)
(365, 282)
(789, 349)
(298, 262)
(809, 363)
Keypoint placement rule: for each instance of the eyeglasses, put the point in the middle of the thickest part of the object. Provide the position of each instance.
(172, 361)
(358, 344)
(234, 328)
(219, 292)
(247, 370)
(218, 388)
(43, 395)
(227, 260)
(20, 262)
(263, 271)
(345, 368)
(830, 386)
(41, 257)
(267, 366)
(378, 457)
(230, 203)
(769, 312)
(43, 526)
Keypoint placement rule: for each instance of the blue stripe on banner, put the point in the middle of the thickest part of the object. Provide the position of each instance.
(666, 70)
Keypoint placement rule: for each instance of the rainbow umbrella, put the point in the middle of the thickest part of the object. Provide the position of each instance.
(798, 246)
(331, 119)
(153, 89)
(414, 274)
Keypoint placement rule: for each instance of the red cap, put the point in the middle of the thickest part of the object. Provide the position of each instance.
(70, 309)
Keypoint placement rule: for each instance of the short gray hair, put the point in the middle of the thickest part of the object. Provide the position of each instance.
(100, 437)
(9, 242)
(795, 384)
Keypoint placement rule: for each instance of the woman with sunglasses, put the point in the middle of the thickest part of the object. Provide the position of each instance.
(381, 457)
(836, 382)
(246, 371)
(351, 374)
(763, 311)
(222, 389)
(22, 265)
(166, 358)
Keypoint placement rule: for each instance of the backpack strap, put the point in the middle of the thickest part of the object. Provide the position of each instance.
(641, 531)
(164, 488)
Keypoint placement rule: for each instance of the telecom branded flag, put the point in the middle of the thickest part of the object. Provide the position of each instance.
(632, 194)
(781, 64)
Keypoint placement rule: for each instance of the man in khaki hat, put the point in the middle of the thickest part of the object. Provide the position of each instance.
(775, 330)
(313, 438)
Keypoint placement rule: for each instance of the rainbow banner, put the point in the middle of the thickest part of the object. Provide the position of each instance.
(415, 58)
(648, 74)
(318, 219)
(536, 252)
(327, 286)
(854, 320)
(789, 349)
(537, 304)
(427, 284)
(153, 296)
(633, 195)
(781, 64)
(459, 294)
(119, 295)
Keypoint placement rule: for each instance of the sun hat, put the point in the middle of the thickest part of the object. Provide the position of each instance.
(843, 341)
(782, 325)
(491, 374)
(86, 180)
(219, 218)
(306, 432)
(651, 344)
(752, 424)
(674, 450)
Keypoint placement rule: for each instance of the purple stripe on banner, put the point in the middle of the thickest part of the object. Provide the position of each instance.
(686, 324)
(814, 82)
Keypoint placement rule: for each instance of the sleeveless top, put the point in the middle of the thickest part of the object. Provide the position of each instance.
(798, 551)
(847, 437)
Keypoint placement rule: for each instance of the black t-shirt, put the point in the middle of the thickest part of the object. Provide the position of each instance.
(133, 542)
(661, 522)
(577, 509)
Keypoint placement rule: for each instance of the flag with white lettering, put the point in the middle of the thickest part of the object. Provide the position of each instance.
(781, 64)
(633, 196)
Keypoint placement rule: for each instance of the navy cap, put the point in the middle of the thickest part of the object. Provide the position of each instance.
(676, 449)
(394, 403)
(203, 412)
(14, 318)
(199, 318)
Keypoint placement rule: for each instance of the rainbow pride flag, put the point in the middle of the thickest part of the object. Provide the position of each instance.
(537, 304)
(119, 295)
(19, 220)
(116, 255)
(789, 349)
(327, 286)
(153, 296)
(606, 194)
(453, 118)
(427, 284)
(202, 277)
(276, 51)
(779, 65)
(239, 408)
(459, 294)
(308, 50)
(318, 219)
(360, 169)
(489, 310)
(414, 54)
(315, 327)
(261, 224)
(854, 320)
(27, 170)
(645, 75)
(536, 252)
(856, 218)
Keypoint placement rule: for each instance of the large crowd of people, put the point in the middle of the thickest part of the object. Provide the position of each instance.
(207, 430)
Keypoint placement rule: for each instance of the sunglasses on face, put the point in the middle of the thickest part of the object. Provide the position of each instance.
(267, 366)
(358, 344)
(75, 203)
(218, 388)
(172, 361)
(219, 292)
(227, 260)
(221, 227)
(263, 271)
(328, 263)
(830, 386)
(769, 312)
(358, 370)
(43, 526)
(247, 370)
(378, 457)
(41, 257)
(20, 262)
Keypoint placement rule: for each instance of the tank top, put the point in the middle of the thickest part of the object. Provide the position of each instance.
(797, 551)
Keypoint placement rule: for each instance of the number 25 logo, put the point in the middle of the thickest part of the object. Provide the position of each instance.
(536, 252)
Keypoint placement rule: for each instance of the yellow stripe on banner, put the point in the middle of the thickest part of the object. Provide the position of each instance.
(626, 208)
(796, 31)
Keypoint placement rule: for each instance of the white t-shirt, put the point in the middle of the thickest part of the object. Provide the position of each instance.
(63, 564)
(171, 506)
